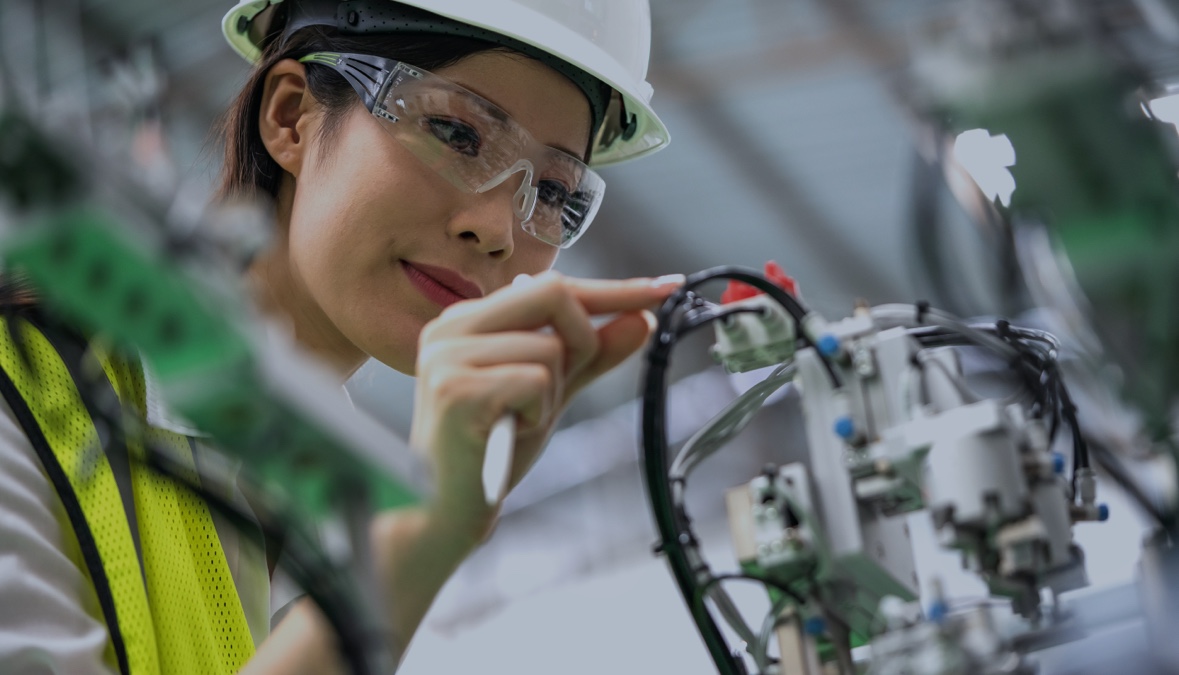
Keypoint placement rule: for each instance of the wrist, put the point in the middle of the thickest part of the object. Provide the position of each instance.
(460, 523)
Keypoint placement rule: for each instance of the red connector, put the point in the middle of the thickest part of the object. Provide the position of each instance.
(738, 291)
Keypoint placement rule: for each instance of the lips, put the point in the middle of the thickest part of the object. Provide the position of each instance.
(440, 285)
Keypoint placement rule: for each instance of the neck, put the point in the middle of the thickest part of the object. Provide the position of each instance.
(282, 295)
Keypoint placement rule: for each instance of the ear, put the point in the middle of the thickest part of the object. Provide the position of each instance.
(284, 117)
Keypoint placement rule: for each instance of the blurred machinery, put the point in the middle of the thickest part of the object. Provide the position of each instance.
(106, 240)
(1051, 123)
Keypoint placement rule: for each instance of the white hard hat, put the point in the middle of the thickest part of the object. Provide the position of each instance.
(608, 39)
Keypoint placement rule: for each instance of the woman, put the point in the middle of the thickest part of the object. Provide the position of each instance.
(419, 162)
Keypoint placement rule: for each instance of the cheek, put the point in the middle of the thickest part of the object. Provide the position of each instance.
(359, 202)
(531, 255)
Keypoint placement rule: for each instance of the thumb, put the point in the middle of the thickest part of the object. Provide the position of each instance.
(617, 340)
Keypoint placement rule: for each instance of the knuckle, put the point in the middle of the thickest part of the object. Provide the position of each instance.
(554, 287)
(539, 377)
(449, 389)
(592, 343)
(552, 351)
(434, 355)
(452, 313)
(427, 352)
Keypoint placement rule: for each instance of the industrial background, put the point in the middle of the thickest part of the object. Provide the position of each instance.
(790, 141)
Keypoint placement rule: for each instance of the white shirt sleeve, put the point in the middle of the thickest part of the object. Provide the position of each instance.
(50, 620)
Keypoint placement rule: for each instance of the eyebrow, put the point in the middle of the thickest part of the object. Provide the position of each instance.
(497, 111)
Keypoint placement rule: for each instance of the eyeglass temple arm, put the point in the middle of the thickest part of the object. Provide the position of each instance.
(366, 74)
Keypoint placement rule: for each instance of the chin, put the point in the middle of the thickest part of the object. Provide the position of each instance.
(400, 356)
(392, 339)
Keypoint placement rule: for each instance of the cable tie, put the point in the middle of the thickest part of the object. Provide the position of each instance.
(1003, 327)
(922, 310)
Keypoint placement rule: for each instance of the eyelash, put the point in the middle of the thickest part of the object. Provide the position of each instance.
(443, 128)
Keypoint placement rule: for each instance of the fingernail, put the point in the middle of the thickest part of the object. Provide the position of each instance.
(522, 280)
(652, 322)
(668, 280)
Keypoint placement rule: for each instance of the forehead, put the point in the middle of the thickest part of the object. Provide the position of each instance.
(539, 98)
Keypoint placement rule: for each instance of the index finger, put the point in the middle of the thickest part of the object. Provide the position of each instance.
(558, 301)
(609, 296)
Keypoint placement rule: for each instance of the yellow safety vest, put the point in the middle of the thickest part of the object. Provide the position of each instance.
(179, 611)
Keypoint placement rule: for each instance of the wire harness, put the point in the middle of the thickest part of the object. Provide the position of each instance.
(1032, 355)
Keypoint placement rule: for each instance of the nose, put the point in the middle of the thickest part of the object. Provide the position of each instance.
(489, 221)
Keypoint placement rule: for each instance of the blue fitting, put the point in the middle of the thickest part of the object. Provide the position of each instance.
(815, 625)
(1058, 463)
(937, 611)
(845, 428)
(1102, 512)
(828, 345)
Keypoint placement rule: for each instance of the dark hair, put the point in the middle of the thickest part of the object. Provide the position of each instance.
(249, 170)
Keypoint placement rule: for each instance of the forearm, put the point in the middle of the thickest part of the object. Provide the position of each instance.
(416, 551)
(302, 644)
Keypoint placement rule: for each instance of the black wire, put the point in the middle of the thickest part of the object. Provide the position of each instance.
(1051, 392)
(708, 314)
(1067, 411)
(681, 313)
(1117, 471)
(674, 537)
(1037, 365)
(1054, 395)
(788, 302)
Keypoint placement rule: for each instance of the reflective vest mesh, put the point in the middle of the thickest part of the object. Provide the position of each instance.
(189, 618)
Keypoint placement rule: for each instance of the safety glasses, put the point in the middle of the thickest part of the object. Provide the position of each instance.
(474, 144)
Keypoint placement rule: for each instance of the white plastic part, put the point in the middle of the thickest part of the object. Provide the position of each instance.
(497, 462)
(609, 39)
(973, 467)
(776, 545)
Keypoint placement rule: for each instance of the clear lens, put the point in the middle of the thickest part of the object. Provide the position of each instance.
(472, 144)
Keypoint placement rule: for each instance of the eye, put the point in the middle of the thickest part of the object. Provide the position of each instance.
(552, 193)
(573, 214)
(457, 135)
